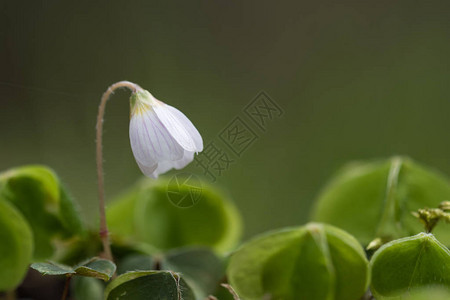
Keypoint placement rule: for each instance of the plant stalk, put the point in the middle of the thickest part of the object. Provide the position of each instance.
(104, 234)
(10, 295)
(66, 288)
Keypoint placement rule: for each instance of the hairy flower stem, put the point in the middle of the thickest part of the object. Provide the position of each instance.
(104, 234)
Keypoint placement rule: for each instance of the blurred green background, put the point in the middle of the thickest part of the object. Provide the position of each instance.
(356, 79)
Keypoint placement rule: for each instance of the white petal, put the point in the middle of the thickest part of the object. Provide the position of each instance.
(193, 132)
(165, 166)
(148, 171)
(187, 158)
(176, 126)
(150, 141)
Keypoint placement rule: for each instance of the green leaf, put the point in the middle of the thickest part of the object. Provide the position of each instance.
(222, 293)
(201, 268)
(410, 263)
(96, 267)
(135, 262)
(148, 285)
(16, 246)
(38, 194)
(87, 288)
(375, 199)
(78, 248)
(429, 293)
(146, 215)
(314, 261)
(52, 268)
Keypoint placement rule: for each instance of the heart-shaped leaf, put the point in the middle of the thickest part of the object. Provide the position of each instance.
(201, 268)
(94, 267)
(16, 246)
(375, 199)
(314, 261)
(38, 194)
(148, 214)
(151, 285)
(410, 263)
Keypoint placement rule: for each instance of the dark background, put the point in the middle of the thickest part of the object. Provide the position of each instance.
(356, 79)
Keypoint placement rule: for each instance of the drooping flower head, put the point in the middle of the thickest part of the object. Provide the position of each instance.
(162, 137)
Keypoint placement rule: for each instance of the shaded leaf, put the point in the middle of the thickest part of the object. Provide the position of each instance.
(38, 194)
(16, 246)
(52, 268)
(148, 285)
(375, 199)
(78, 248)
(135, 262)
(146, 215)
(201, 268)
(87, 288)
(96, 267)
(314, 261)
(410, 263)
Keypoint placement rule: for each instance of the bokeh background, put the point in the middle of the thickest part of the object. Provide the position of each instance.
(356, 80)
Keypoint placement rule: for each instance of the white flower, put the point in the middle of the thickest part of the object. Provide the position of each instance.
(161, 136)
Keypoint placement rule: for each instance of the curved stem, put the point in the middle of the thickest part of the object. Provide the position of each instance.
(66, 288)
(104, 235)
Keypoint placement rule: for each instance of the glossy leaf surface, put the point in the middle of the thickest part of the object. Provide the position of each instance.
(314, 261)
(410, 263)
(375, 199)
(148, 285)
